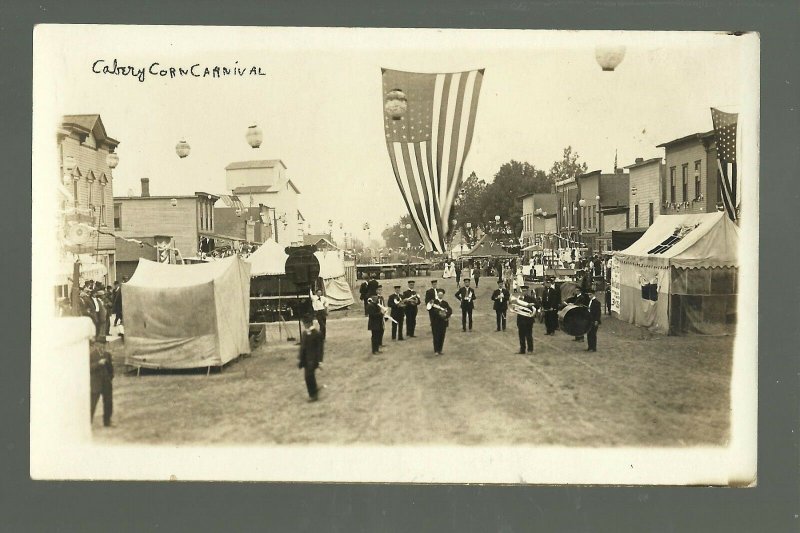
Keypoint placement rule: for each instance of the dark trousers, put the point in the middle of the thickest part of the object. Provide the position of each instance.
(466, 317)
(108, 402)
(377, 339)
(322, 319)
(525, 329)
(608, 304)
(438, 337)
(365, 307)
(411, 320)
(551, 320)
(501, 319)
(117, 317)
(477, 279)
(397, 329)
(591, 338)
(311, 381)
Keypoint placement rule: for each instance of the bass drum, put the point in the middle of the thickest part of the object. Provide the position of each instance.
(575, 320)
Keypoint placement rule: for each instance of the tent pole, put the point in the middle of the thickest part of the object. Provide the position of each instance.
(208, 372)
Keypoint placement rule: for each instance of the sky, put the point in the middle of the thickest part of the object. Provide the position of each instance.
(320, 102)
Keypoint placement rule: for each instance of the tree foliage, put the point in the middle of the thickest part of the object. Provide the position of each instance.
(568, 167)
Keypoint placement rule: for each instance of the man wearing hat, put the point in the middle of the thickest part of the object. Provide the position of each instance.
(430, 295)
(525, 307)
(375, 322)
(311, 348)
(397, 313)
(594, 312)
(440, 315)
(466, 295)
(550, 300)
(500, 298)
(412, 301)
(101, 372)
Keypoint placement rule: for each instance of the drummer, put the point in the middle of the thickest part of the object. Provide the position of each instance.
(580, 298)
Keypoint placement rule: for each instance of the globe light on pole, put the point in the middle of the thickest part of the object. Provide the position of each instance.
(112, 160)
(182, 149)
(396, 104)
(254, 136)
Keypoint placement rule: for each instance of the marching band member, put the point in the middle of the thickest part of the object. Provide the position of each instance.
(412, 301)
(580, 298)
(500, 297)
(440, 315)
(430, 295)
(525, 307)
(397, 305)
(376, 317)
(595, 312)
(466, 295)
(550, 300)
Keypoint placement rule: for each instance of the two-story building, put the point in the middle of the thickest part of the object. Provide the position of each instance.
(243, 224)
(88, 188)
(184, 222)
(645, 196)
(265, 183)
(567, 219)
(691, 183)
(602, 207)
(539, 217)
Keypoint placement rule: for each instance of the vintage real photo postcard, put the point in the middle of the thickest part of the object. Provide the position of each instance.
(394, 255)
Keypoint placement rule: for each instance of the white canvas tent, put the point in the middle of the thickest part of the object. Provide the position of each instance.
(680, 276)
(270, 260)
(187, 316)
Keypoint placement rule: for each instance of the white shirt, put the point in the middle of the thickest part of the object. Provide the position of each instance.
(319, 303)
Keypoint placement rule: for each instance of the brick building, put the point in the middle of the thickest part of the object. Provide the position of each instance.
(645, 199)
(183, 220)
(602, 205)
(89, 187)
(691, 182)
(539, 216)
(567, 219)
(245, 224)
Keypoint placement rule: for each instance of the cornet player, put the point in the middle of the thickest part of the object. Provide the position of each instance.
(375, 310)
(397, 305)
(440, 315)
(525, 308)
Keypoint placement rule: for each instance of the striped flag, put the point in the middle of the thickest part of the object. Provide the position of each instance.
(428, 135)
(725, 130)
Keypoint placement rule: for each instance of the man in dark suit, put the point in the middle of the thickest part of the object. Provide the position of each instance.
(430, 295)
(362, 295)
(500, 298)
(375, 322)
(101, 372)
(476, 272)
(94, 307)
(439, 320)
(595, 312)
(466, 295)
(525, 308)
(550, 301)
(412, 301)
(397, 313)
(116, 300)
(311, 349)
(458, 273)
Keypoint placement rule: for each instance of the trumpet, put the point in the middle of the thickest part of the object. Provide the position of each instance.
(384, 310)
(439, 309)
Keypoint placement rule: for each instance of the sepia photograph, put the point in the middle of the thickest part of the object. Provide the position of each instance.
(395, 255)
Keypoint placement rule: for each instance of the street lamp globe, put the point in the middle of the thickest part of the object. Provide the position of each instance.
(469, 225)
(597, 198)
(396, 104)
(497, 218)
(582, 202)
(408, 226)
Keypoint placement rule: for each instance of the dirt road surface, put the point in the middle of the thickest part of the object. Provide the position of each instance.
(638, 389)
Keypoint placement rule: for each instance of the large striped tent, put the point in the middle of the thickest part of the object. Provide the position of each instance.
(429, 120)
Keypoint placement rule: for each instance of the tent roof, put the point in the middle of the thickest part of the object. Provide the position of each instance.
(270, 260)
(162, 275)
(487, 249)
(706, 240)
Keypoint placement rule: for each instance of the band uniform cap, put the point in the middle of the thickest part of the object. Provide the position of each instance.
(440, 290)
(411, 281)
(397, 286)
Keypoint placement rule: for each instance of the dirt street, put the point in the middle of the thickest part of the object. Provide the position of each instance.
(638, 389)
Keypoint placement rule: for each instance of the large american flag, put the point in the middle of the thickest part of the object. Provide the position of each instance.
(725, 130)
(429, 143)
